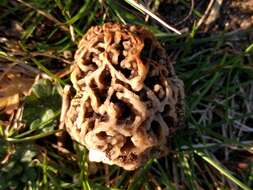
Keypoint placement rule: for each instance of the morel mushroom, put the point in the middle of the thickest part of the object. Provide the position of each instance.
(128, 99)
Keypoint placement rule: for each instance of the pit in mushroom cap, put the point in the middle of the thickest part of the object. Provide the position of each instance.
(128, 99)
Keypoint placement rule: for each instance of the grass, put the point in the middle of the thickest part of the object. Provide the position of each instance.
(213, 151)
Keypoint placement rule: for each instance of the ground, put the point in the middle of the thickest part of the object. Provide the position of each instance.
(213, 56)
(237, 14)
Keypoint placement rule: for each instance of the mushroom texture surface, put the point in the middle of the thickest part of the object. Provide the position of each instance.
(128, 100)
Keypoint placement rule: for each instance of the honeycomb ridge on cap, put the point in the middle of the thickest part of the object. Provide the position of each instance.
(128, 99)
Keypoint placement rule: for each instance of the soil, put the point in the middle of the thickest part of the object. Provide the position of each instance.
(179, 14)
(237, 14)
(233, 14)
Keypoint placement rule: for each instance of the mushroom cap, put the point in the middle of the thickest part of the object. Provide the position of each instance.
(128, 100)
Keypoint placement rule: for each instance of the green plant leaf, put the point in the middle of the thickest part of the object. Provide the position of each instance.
(3, 2)
(42, 106)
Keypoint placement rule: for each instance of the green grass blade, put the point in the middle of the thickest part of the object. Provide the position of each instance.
(249, 49)
(82, 11)
(222, 170)
(140, 177)
(32, 138)
(49, 73)
(165, 178)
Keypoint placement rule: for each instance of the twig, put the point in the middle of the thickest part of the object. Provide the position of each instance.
(148, 12)
(45, 54)
(203, 18)
(65, 104)
(65, 152)
(107, 176)
(214, 12)
(7, 69)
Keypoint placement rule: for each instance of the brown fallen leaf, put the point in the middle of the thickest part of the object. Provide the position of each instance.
(12, 87)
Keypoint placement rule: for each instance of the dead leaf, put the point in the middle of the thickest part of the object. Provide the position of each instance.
(12, 87)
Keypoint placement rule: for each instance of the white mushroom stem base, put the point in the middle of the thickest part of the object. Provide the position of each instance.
(99, 156)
